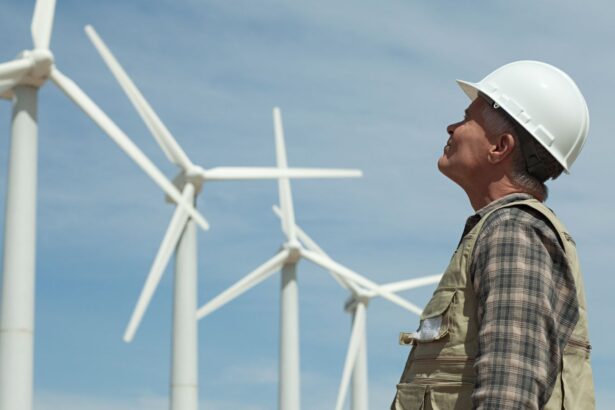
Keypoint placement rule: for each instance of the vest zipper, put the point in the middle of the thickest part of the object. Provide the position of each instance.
(428, 381)
(580, 343)
(444, 359)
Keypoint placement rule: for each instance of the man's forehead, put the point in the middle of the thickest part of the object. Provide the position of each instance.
(476, 111)
(478, 103)
(476, 106)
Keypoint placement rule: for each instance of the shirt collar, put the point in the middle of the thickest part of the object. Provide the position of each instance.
(517, 196)
(473, 220)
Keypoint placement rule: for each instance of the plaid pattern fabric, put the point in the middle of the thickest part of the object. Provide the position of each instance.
(527, 306)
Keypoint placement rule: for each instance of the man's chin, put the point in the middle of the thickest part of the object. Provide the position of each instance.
(443, 165)
(445, 169)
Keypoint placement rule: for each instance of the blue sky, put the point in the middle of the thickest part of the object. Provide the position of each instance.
(366, 85)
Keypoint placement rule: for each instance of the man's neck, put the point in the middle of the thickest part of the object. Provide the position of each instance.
(482, 196)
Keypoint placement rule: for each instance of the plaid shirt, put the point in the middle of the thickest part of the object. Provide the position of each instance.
(527, 306)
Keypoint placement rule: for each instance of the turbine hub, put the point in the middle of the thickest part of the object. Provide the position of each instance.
(195, 172)
(182, 179)
(294, 253)
(352, 302)
(42, 61)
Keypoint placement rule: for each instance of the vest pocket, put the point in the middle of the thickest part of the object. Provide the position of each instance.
(435, 318)
(433, 394)
(450, 396)
(577, 381)
(409, 397)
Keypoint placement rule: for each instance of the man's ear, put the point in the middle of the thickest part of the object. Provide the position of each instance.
(503, 147)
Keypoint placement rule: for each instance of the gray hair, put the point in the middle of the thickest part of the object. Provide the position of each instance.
(499, 122)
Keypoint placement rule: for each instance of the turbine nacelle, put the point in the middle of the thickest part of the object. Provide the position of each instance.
(31, 67)
(294, 251)
(42, 61)
(184, 178)
(196, 171)
(353, 301)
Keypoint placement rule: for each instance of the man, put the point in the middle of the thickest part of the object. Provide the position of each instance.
(507, 326)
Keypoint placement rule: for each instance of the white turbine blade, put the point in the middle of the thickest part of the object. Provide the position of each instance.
(42, 23)
(12, 72)
(308, 241)
(357, 338)
(343, 271)
(286, 199)
(411, 283)
(167, 246)
(247, 282)
(169, 145)
(280, 146)
(278, 212)
(313, 246)
(84, 102)
(234, 173)
(303, 237)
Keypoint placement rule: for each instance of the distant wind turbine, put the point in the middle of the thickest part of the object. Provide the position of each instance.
(181, 237)
(355, 364)
(356, 357)
(20, 80)
(286, 260)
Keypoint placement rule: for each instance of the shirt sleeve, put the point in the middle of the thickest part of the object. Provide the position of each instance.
(527, 310)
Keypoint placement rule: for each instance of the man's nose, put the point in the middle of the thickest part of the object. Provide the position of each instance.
(451, 128)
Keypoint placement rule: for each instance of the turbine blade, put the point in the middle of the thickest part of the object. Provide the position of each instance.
(280, 146)
(167, 246)
(343, 271)
(411, 283)
(313, 246)
(303, 237)
(84, 102)
(163, 137)
(278, 212)
(357, 339)
(12, 72)
(42, 23)
(247, 282)
(233, 173)
(286, 199)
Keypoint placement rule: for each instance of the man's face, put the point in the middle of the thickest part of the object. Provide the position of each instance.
(464, 159)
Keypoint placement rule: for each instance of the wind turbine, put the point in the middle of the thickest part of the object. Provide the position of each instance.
(20, 80)
(355, 365)
(181, 236)
(356, 357)
(286, 260)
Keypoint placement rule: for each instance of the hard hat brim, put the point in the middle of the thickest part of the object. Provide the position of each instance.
(470, 89)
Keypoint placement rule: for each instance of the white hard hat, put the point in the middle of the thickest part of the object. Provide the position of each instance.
(544, 100)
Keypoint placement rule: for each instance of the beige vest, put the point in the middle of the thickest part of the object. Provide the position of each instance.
(439, 373)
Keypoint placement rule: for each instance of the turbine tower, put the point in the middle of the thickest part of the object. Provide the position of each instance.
(355, 365)
(286, 260)
(181, 237)
(20, 80)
